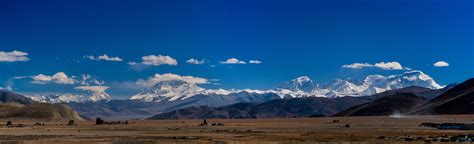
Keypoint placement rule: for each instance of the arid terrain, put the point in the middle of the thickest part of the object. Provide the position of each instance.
(291, 130)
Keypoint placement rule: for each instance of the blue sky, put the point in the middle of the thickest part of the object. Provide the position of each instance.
(290, 38)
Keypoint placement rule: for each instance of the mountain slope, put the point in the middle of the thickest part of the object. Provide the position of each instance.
(10, 97)
(126, 109)
(278, 108)
(15, 106)
(399, 103)
(458, 100)
(416, 90)
(114, 109)
(41, 111)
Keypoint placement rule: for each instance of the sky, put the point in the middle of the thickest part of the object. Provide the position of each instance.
(56, 46)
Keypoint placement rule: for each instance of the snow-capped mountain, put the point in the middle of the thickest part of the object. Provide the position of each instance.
(100, 95)
(59, 98)
(172, 90)
(179, 90)
(172, 94)
(97, 93)
(374, 84)
(299, 87)
(300, 84)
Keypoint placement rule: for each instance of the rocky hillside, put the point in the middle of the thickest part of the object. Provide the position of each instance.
(458, 100)
(15, 106)
(10, 97)
(394, 104)
(278, 108)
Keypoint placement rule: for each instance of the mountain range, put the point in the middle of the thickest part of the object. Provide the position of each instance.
(458, 99)
(300, 87)
(170, 95)
(414, 100)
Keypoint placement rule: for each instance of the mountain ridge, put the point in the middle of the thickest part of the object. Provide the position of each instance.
(16, 106)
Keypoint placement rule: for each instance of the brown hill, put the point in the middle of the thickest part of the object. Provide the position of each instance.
(10, 97)
(458, 100)
(15, 106)
(278, 108)
(399, 103)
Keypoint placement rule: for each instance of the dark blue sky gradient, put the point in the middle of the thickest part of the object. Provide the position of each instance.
(292, 38)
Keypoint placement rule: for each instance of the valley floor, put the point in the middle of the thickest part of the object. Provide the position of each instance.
(291, 130)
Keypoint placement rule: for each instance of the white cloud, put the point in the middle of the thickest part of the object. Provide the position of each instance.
(13, 56)
(357, 65)
(232, 61)
(214, 80)
(195, 61)
(103, 57)
(441, 64)
(382, 65)
(255, 62)
(59, 78)
(9, 88)
(132, 63)
(87, 79)
(389, 65)
(170, 77)
(92, 88)
(156, 60)
(62, 78)
(97, 82)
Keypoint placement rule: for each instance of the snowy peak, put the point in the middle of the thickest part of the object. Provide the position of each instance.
(97, 92)
(419, 78)
(303, 84)
(100, 95)
(59, 98)
(372, 84)
(172, 90)
(407, 79)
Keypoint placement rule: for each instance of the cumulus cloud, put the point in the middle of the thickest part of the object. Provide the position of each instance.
(9, 88)
(441, 64)
(104, 58)
(389, 65)
(195, 61)
(13, 56)
(382, 65)
(132, 63)
(156, 60)
(59, 78)
(170, 77)
(87, 79)
(92, 88)
(357, 65)
(62, 78)
(233, 61)
(255, 62)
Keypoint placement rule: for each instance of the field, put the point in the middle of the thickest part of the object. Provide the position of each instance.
(291, 130)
